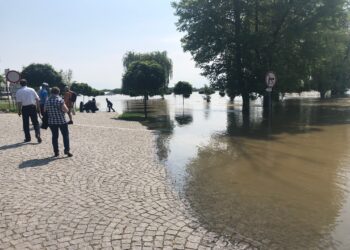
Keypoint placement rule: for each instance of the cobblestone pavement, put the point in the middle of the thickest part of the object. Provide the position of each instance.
(112, 194)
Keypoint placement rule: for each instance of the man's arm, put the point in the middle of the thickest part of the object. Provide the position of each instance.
(19, 108)
(37, 99)
(38, 105)
(64, 108)
(19, 102)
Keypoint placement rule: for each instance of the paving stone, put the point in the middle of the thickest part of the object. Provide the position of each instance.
(112, 194)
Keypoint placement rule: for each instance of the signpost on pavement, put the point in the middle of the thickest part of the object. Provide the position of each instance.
(270, 79)
(13, 77)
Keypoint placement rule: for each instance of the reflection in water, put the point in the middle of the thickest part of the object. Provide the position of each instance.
(283, 182)
(206, 110)
(284, 191)
(183, 117)
(158, 119)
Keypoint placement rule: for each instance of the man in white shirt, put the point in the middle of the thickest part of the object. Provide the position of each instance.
(28, 106)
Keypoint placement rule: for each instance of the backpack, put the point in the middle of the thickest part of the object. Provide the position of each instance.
(73, 96)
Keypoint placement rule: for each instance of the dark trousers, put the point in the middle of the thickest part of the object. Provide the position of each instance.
(65, 135)
(110, 107)
(30, 111)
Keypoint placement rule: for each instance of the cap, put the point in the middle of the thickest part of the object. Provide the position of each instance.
(45, 84)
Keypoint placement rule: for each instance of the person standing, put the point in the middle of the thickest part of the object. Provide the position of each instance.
(28, 106)
(56, 109)
(43, 95)
(68, 95)
(109, 105)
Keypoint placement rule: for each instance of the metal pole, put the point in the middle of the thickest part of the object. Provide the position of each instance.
(8, 94)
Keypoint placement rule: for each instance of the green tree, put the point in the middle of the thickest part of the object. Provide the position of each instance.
(36, 74)
(66, 76)
(208, 91)
(159, 57)
(184, 89)
(331, 70)
(85, 89)
(236, 42)
(143, 78)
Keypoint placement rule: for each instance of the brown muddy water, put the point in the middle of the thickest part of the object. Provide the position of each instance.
(283, 182)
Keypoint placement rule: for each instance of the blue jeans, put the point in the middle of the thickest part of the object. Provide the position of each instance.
(65, 135)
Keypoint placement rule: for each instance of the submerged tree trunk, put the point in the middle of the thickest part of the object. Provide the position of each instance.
(145, 105)
(246, 103)
(238, 59)
(323, 94)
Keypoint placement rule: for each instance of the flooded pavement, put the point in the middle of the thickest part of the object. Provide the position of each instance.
(283, 182)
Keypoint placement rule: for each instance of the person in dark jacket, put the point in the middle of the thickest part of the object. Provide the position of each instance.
(109, 105)
(91, 106)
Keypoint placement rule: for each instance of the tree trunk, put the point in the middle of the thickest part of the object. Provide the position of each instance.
(246, 103)
(145, 105)
(238, 61)
(322, 94)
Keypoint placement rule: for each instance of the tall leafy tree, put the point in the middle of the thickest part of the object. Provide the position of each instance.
(184, 89)
(159, 57)
(143, 78)
(236, 42)
(36, 74)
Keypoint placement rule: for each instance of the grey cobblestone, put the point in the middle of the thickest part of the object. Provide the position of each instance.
(112, 194)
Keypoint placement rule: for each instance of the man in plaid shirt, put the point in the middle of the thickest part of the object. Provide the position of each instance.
(56, 110)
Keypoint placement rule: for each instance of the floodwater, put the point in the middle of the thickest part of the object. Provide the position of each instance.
(282, 181)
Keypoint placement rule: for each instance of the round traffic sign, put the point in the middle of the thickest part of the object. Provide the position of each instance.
(270, 79)
(13, 76)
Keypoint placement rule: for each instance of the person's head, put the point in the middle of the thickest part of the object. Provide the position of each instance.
(45, 85)
(55, 91)
(66, 88)
(93, 99)
(23, 82)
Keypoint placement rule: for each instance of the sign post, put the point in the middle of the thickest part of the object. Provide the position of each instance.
(270, 80)
(13, 77)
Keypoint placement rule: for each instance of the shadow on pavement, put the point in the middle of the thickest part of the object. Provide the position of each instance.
(37, 162)
(16, 145)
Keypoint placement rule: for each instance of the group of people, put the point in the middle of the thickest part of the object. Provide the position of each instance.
(91, 106)
(52, 106)
(52, 109)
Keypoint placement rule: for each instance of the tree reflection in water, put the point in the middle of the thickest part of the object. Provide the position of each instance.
(183, 117)
(158, 120)
(284, 189)
(280, 181)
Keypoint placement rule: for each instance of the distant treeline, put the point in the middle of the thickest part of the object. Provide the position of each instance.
(85, 89)
(169, 91)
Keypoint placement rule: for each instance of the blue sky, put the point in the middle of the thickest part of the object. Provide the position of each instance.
(90, 37)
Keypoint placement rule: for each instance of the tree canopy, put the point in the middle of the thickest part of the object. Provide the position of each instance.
(236, 42)
(143, 78)
(158, 57)
(36, 74)
(183, 88)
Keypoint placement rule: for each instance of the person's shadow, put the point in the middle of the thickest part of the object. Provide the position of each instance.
(16, 145)
(37, 162)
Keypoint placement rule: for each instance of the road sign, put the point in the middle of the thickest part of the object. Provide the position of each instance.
(13, 76)
(270, 79)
